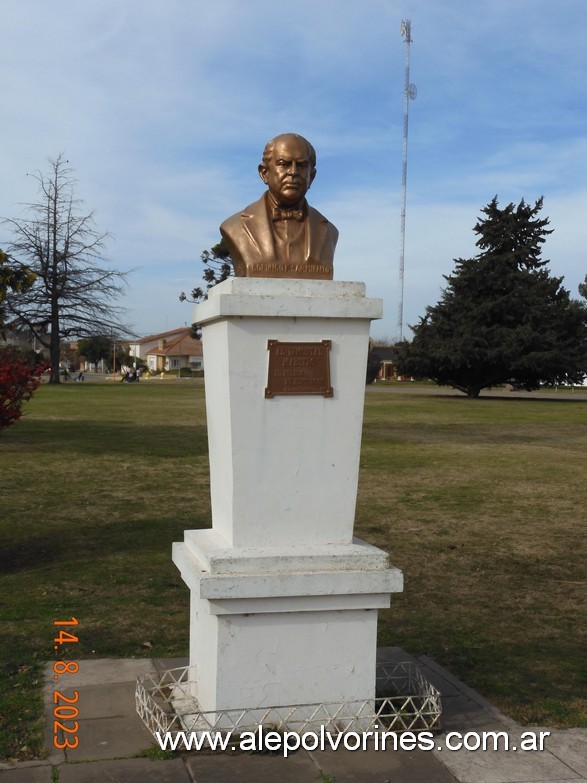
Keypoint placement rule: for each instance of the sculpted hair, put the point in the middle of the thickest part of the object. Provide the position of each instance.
(269, 147)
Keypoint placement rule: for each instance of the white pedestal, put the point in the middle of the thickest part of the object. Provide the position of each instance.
(283, 600)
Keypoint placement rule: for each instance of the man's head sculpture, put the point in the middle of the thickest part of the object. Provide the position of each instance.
(281, 235)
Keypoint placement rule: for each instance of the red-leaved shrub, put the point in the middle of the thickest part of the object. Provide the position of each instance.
(19, 378)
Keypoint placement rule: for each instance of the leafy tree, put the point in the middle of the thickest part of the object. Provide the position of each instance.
(73, 291)
(12, 278)
(93, 349)
(119, 356)
(374, 364)
(502, 318)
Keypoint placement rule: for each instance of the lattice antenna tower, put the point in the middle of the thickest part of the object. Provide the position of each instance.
(410, 93)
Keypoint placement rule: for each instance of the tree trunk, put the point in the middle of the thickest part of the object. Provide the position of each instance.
(473, 392)
(55, 349)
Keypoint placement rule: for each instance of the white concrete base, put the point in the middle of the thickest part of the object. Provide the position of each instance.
(268, 631)
(283, 600)
(284, 471)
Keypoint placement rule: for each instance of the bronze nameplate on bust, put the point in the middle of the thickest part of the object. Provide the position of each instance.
(298, 368)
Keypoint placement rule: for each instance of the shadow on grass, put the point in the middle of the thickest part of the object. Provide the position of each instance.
(93, 438)
(57, 532)
(90, 543)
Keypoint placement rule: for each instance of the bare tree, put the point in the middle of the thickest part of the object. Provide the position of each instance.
(73, 293)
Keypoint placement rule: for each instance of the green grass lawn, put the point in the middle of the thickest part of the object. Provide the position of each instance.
(481, 503)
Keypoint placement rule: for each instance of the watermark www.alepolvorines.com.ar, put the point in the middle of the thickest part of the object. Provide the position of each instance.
(287, 742)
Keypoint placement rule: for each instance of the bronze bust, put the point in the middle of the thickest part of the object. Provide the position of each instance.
(281, 235)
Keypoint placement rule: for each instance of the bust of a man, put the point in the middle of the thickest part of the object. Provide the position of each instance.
(281, 235)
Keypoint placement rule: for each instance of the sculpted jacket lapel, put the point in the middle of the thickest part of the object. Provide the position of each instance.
(315, 235)
(258, 229)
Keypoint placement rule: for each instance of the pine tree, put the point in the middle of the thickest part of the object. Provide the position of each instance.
(502, 318)
(218, 268)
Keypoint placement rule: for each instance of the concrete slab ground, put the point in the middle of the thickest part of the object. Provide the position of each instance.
(125, 771)
(571, 747)
(246, 768)
(109, 726)
(472, 766)
(25, 774)
(373, 766)
(113, 741)
(563, 759)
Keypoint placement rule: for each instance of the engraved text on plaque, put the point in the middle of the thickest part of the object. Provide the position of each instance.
(298, 368)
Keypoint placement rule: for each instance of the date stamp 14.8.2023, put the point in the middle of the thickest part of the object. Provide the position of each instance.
(65, 710)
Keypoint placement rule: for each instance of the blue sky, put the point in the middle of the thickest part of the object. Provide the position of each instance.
(163, 108)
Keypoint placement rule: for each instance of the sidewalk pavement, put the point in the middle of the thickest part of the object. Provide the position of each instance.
(112, 737)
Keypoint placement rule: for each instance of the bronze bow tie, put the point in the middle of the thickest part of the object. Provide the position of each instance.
(288, 214)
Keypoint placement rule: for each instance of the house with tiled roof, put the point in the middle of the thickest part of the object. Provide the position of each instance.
(140, 347)
(173, 350)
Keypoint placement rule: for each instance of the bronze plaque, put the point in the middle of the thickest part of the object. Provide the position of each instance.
(298, 368)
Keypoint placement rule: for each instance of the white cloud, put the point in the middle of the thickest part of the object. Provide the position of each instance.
(163, 109)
